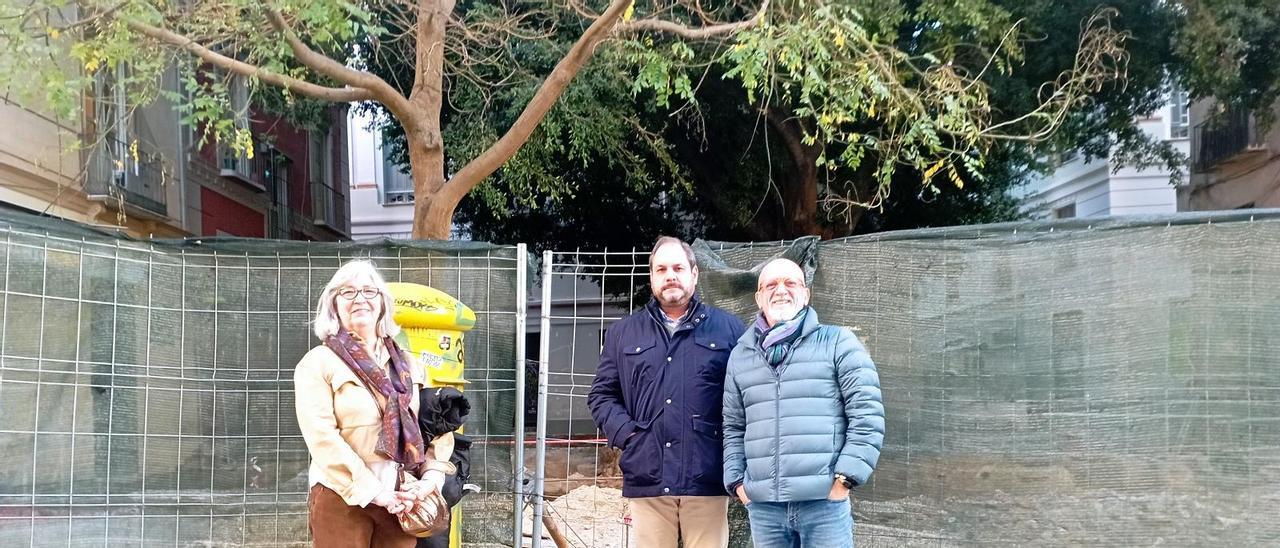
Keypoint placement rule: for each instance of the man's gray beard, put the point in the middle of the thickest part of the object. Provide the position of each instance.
(787, 316)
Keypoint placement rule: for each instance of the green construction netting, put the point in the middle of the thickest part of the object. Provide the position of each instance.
(1102, 383)
(146, 386)
(1073, 383)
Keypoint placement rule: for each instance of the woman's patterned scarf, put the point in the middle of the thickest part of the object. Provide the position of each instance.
(400, 439)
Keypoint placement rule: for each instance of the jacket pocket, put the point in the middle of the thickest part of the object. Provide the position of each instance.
(641, 381)
(706, 453)
(711, 356)
(641, 461)
(714, 345)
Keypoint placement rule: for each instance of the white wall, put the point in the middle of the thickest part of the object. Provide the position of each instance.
(369, 218)
(1098, 189)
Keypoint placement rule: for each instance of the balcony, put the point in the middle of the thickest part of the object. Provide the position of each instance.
(251, 171)
(324, 205)
(1224, 139)
(128, 175)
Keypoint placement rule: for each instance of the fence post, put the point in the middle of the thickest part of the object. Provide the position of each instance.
(544, 359)
(522, 307)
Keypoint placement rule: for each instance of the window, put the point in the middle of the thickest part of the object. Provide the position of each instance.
(1179, 113)
(397, 185)
(278, 179)
(320, 176)
(113, 126)
(1065, 212)
(238, 164)
(123, 163)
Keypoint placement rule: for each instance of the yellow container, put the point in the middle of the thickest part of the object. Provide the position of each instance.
(432, 324)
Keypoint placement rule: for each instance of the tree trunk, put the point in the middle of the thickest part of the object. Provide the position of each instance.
(799, 193)
(432, 206)
(435, 196)
(799, 188)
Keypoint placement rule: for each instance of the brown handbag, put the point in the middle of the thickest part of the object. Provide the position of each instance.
(427, 517)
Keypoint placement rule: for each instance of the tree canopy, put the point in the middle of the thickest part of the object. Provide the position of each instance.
(860, 104)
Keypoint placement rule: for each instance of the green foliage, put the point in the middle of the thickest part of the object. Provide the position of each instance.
(78, 50)
(1231, 49)
(859, 96)
(897, 97)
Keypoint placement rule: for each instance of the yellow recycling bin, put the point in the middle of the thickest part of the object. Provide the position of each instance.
(432, 323)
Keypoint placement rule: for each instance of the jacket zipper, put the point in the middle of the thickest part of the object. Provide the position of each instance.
(777, 415)
(777, 434)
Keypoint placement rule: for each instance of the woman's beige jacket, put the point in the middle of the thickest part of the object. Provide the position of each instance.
(340, 421)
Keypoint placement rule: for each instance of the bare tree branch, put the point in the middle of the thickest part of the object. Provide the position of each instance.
(694, 33)
(323, 64)
(491, 159)
(1100, 59)
(340, 95)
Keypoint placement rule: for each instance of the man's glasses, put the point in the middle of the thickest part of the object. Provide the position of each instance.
(771, 285)
(349, 293)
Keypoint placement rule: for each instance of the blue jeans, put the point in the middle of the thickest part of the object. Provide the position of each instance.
(811, 523)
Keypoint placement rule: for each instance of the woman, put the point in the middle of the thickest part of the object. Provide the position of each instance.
(357, 402)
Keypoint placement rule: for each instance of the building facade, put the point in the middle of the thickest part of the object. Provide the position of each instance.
(150, 175)
(381, 193)
(1096, 187)
(1235, 160)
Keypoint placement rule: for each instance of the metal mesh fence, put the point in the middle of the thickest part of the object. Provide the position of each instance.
(1105, 382)
(1070, 383)
(582, 294)
(146, 390)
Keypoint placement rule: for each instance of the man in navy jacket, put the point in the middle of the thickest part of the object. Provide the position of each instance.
(658, 396)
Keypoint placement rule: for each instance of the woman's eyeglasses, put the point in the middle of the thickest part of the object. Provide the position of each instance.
(349, 293)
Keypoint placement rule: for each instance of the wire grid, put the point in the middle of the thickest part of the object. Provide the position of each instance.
(583, 294)
(146, 388)
(1046, 384)
(1062, 383)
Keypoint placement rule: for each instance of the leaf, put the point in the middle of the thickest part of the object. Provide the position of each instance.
(955, 176)
(933, 170)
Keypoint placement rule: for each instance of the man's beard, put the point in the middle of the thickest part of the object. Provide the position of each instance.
(672, 300)
(783, 312)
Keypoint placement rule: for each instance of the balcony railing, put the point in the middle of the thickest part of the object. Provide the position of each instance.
(128, 174)
(324, 206)
(1217, 140)
(238, 165)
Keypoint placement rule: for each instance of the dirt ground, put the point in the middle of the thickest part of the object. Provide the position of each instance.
(981, 503)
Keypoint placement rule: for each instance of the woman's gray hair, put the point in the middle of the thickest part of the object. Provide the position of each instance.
(327, 323)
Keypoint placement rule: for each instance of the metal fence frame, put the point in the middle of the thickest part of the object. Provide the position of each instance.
(35, 376)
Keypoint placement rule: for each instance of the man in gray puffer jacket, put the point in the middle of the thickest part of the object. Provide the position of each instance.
(803, 420)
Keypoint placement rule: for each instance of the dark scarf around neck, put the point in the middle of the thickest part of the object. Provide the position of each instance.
(776, 341)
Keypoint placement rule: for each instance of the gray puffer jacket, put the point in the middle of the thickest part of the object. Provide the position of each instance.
(789, 430)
